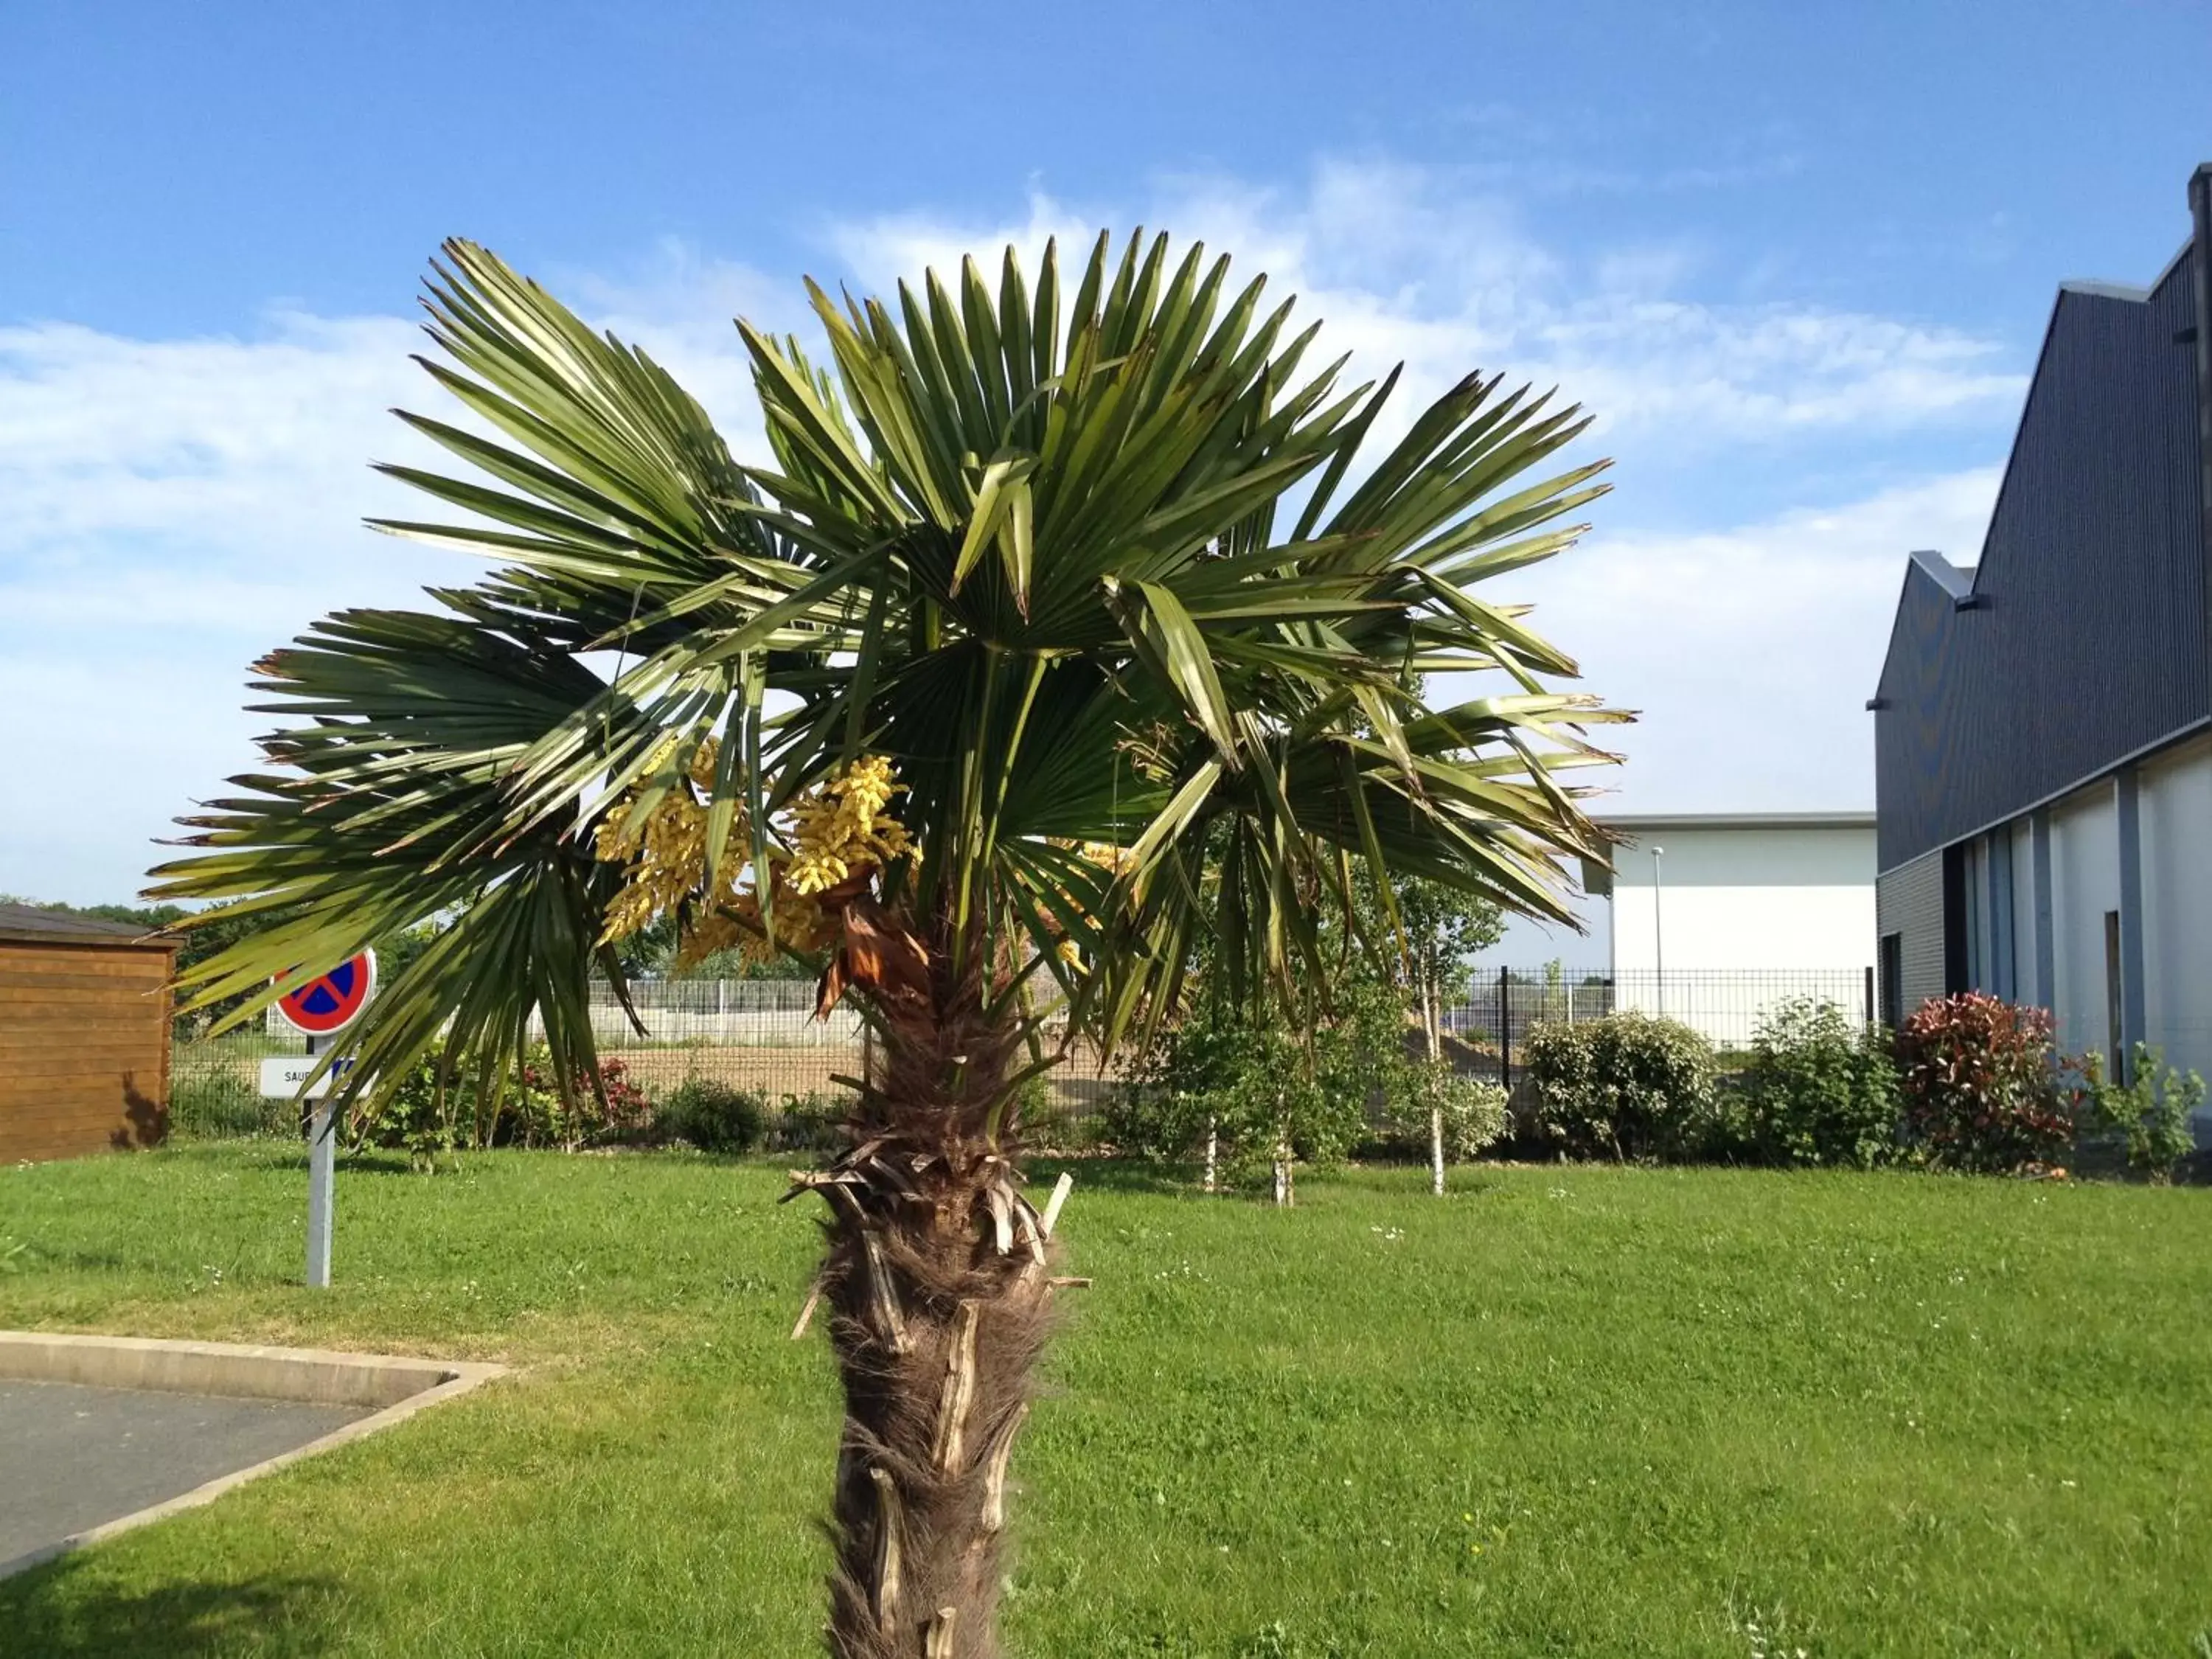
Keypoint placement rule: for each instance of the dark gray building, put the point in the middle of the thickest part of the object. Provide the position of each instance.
(2043, 728)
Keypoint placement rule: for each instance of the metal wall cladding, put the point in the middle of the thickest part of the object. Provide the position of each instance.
(1908, 902)
(2088, 641)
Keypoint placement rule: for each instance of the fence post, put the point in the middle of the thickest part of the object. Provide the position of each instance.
(1869, 994)
(1505, 1027)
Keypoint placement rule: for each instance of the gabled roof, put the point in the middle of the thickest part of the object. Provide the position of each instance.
(28, 921)
(1956, 580)
(2078, 637)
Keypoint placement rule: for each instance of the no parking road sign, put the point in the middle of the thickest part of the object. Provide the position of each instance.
(321, 1007)
(331, 1002)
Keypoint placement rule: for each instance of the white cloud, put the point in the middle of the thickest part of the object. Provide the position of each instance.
(100, 434)
(1405, 266)
(175, 506)
(1749, 653)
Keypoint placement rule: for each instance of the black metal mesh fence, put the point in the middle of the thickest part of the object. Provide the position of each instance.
(1725, 1004)
(762, 1036)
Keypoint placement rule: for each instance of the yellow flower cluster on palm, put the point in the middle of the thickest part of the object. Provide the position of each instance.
(666, 849)
(1102, 855)
(835, 830)
(842, 827)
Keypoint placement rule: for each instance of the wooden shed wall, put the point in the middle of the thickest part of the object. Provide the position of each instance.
(84, 1047)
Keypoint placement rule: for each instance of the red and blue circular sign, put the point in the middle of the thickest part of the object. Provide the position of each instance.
(331, 1002)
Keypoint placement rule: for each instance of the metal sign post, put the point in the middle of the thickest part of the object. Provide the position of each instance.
(322, 1186)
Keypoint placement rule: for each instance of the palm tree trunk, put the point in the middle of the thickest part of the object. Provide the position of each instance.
(1436, 1112)
(1285, 1193)
(937, 1280)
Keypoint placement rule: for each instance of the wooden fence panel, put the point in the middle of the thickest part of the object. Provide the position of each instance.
(84, 1046)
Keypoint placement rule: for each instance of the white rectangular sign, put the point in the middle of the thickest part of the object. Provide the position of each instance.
(280, 1078)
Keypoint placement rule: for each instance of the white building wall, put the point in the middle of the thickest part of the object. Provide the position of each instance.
(1772, 898)
(2085, 883)
(2023, 912)
(2176, 812)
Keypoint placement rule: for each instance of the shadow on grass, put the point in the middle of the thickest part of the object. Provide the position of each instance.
(1139, 1175)
(1115, 1175)
(66, 1609)
(288, 1153)
(379, 1162)
(107, 1261)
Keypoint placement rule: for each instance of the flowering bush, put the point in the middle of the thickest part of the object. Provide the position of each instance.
(1983, 1087)
(1627, 1085)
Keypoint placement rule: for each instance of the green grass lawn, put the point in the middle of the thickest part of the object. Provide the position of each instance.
(1566, 1411)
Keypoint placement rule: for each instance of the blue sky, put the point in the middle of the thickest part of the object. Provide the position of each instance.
(1798, 259)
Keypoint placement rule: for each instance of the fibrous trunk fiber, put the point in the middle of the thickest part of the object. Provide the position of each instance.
(938, 1283)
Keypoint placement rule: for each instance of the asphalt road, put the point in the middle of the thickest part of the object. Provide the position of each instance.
(73, 1457)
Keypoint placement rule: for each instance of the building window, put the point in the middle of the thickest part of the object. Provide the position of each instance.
(1893, 980)
(2113, 1038)
(1956, 970)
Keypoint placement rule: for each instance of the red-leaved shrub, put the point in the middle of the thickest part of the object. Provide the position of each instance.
(1983, 1087)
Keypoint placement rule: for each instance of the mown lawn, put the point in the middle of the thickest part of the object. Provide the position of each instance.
(1566, 1411)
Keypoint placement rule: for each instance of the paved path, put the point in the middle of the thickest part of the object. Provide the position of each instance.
(73, 1457)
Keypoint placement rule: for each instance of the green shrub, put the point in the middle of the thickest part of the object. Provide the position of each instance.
(812, 1123)
(411, 1116)
(1128, 1120)
(1033, 1106)
(1474, 1110)
(2150, 1113)
(1625, 1085)
(1255, 1089)
(714, 1116)
(1048, 1122)
(1176, 1089)
(1819, 1088)
(1984, 1088)
(415, 1115)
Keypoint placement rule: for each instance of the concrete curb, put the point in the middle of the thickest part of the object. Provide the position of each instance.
(394, 1387)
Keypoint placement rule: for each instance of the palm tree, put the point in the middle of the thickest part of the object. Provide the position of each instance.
(999, 685)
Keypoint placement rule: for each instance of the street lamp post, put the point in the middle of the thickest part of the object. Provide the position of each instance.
(1658, 930)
